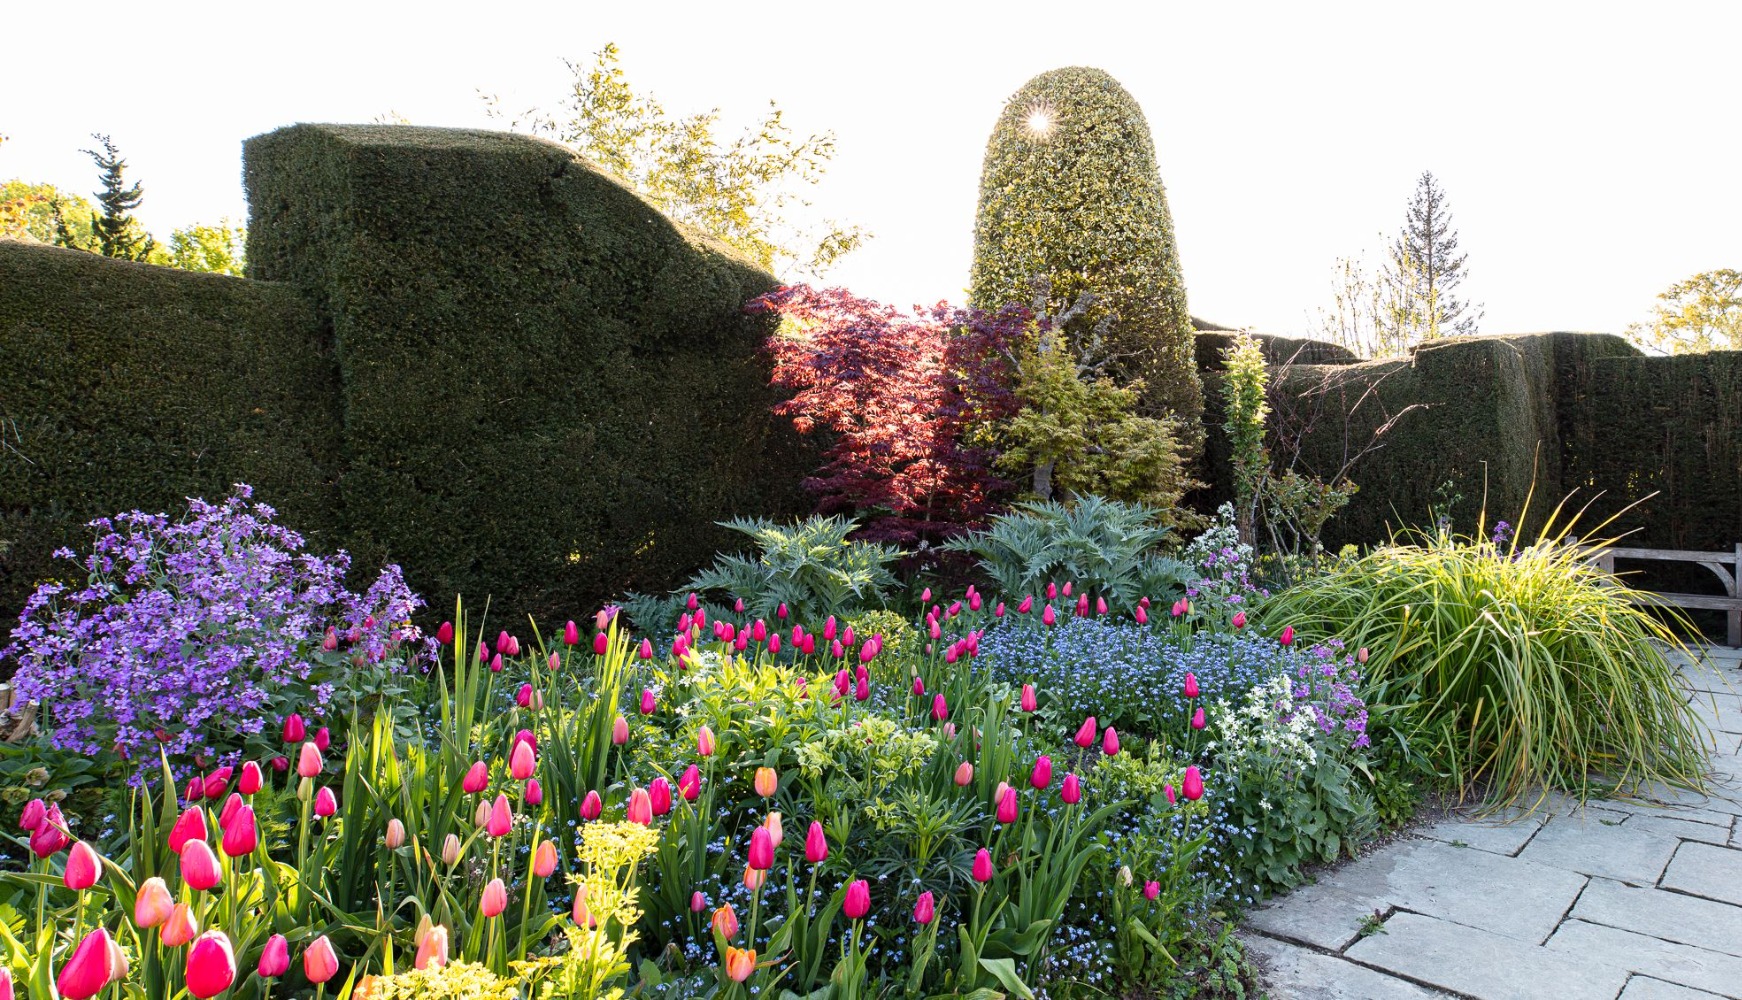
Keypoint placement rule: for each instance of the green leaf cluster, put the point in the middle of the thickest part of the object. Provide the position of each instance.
(812, 566)
(1108, 546)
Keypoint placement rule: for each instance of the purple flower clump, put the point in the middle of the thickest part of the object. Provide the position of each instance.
(1325, 685)
(194, 634)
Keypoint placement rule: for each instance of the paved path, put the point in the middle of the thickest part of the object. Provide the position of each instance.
(1637, 899)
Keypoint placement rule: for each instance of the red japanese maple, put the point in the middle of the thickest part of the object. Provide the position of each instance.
(902, 395)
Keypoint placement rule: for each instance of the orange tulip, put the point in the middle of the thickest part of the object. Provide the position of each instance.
(766, 781)
(740, 963)
(180, 928)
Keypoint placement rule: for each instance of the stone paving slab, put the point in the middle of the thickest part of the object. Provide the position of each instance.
(1322, 916)
(1677, 963)
(1706, 871)
(1503, 833)
(1594, 844)
(1676, 828)
(1645, 988)
(1670, 916)
(1481, 964)
(1297, 973)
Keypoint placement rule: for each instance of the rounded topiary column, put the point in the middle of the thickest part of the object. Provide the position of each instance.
(1070, 192)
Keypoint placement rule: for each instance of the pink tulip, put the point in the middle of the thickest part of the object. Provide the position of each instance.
(1191, 689)
(999, 611)
(1026, 606)
(241, 835)
(534, 792)
(659, 796)
(862, 690)
(199, 866)
(196, 789)
(501, 817)
(523, 697)
(1048, 616)
(918, 686)
(780, 612)
(1029, 701)
(1167, 790)
(571, 634)
(326, 804)
(50, 837)
(1052, 591)
(394, 838)
(870, 649)
(1287, 636)
(1110, 742)
(476, 780)
(218, 782)
(1239, 620)
(1072, 790)
(281, 763)
(983, 865)
(294, 728)
(1068, 586)
(1152, 890)
(847, 635)
(648, 704)
(502, 642)
(319, 962)
(738, 605)
(1361, 655)
(1198, 718)
(761, 855)
(521, 763)
(211, 965)
(601, 643)
(275, 960)
(816, 844)
(432, 951)
(251, 780)
(1042, 774)
(646, 650)
(1192, 785)
(698, 902)
(925, 596)
(592, 806)
(496, 664)
(190, 826)
(620, 731)
(494, 900)
(152, 904)
(858, 901)
(925, 909)
(974, 602)
(308, 761)
(1007, 806)
(640, 809)
(705, 742)
(1083, 606)
(689, 784)
(940, 709)
(83, 867)
(95, 963)
(1086, 734)
(964, 774)
(774, 642)
(34, 812)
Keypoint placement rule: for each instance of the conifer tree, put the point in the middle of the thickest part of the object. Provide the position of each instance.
(114, 232)
(1426, 269)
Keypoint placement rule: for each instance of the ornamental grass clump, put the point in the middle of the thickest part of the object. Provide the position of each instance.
(1521, 667)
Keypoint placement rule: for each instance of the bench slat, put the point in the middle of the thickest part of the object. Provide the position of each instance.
(1702, 602)
(1675, 555)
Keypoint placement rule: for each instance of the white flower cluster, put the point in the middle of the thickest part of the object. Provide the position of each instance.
(1257, 730)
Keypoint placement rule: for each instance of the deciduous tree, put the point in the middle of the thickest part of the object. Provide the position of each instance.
(1703, 313)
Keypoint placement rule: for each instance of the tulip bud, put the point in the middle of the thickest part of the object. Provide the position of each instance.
(153, 903)
(1086, 734)
(1072, 790)
(1198, 718)
(534, 792)
(1361, 655)
(1141, 614)
(858, 901)
(495, 899)
(180, 927)
(740, 963)
(659, 796)
(432, 949)
(1287, 636)
(1007, 806)
(1239, 620)
(601, 643)
(451, 850)
(501, 817)
(705, 742)
(95, 963)
(940, 708)
(241, 835)
(648, 704)
(725, 921)
(1048, 616)
(308, 762)
(646, 650)
(1167, 791)
(281, 764)
(395, 838)
(319, 962)
(698, 902)
(689, 784)
(521, 762)
(767, 781)
(323, 739)
(199, 866)
(1026, 606)
(1110, 742)
(983, 865)
(592, 806)
(445, 633)
(83, 867)
(1042, 775)
(275, 960)
(544, 859)
(964, 774)
(925, 909)
(780, 612)
(620, 731)
(1124, 874)
(816, 844)
(326, 804)
(1192, 785)
(1152, 890)
(640, 809)
(1083, 606)
(774, 642)
(761, 855)
(49, 837)
(211, 965)
(582, 914)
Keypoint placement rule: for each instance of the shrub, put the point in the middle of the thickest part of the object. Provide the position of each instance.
(1105, 546)
(811, 566)
(1079, 202)
(192, 634)
(1520, 664)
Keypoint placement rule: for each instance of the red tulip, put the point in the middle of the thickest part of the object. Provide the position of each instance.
(1239, 620)
(308, 761)
(592, 806)
(925, 909)
(1048, 616)
(211, 966)
(1198, 718)
(761, 850)
(319, 962)
(983, 865)
(83, 867)
(495, 899)
(251, 779)
(95, 963)
(1086, 734)
(326, 803)
(241, 835)
(571, 634)
(601, 643)
(689, 784)
(521, 763)
(1029, 701)
(1287, 636)
(659, 796)
(1192, 785)
(275, 960)
(196, 789)
(858, 901)
(1110, 742)
(620, 731)
(816, 844)
(1083, 606)
(445, 633)
(190, 826)
(1042, 775)
(501, 817)
(294, 728)
(199, 866)
(1007, 806)
(1072, 790)
(640, 807)
(152, 904)
(940, 709)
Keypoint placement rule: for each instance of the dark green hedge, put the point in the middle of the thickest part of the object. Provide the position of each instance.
(550, 390)
(129, 386)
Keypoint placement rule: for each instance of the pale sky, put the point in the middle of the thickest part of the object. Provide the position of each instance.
(1590, 152)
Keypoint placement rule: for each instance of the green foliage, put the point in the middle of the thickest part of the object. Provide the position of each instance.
(1107, 546)
(1077, 434)
(1243, 386)
(1070, 192)
(1519, 667)
(147, 386)
(602, 400)
(1702, 313)
(219, 249)
(112, 229)
(741, 192)
(812, 566)
(27, 210)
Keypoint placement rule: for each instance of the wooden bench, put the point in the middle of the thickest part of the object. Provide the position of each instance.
(1726, 565)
